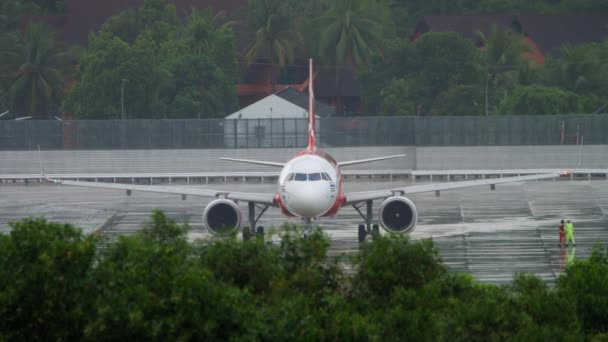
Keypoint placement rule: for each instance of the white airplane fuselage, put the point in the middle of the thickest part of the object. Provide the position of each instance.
(310, 186)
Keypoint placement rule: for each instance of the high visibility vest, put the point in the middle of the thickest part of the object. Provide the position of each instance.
(569, 227)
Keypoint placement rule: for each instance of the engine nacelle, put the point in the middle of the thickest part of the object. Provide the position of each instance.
(222, 217)
(398, 215)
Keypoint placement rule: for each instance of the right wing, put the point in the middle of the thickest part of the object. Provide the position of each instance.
(259, 162)
(261, 198)
(360, 196)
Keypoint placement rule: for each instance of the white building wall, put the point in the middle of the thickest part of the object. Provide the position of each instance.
(252, 127)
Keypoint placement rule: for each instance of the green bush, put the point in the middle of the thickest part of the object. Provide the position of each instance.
(56, 283)
(585, 283)
(44, 280)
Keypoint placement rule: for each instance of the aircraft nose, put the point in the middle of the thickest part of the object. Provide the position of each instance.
(311, 203)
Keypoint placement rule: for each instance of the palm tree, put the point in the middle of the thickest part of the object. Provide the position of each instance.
(504, 51)
(33, 62)
(276, 36)
(351, 32)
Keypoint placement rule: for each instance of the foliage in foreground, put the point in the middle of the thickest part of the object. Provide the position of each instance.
(56, 283)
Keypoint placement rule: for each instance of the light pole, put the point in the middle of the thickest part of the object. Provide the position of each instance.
(486, 91)
(122, 98)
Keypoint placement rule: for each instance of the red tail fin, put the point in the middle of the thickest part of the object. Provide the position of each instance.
(311, 112)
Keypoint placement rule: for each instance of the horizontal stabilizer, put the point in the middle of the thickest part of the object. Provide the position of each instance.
(258, 162)
(361, 161)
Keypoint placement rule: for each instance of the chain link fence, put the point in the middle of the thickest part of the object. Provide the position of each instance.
(331, 132)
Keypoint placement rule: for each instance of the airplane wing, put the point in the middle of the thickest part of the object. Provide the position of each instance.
(258, 162)
(361, 161)
(185, 191)
(360, 196)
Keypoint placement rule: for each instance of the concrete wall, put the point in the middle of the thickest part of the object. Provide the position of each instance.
(418, 158)
(512, 157)
(166, 161)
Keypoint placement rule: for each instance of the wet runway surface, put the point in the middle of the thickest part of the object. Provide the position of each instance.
(489, 234)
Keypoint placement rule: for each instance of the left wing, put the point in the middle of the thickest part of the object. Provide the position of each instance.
(355, 197)
(361, 161)
(184, 191)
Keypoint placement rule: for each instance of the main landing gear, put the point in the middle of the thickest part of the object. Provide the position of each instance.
(367, 228)
(308, 225)
(248, 232)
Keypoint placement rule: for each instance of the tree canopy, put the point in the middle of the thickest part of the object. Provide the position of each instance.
(34, 63)
(144, 63)
(148, 62)
(56, 283)
(425, 69)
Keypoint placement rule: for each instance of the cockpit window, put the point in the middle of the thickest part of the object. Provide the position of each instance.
(300, 177)
(290, 177)
(325, 176)
(314, 176)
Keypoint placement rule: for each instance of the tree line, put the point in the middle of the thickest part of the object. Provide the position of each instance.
(147, 62)
(58, 284)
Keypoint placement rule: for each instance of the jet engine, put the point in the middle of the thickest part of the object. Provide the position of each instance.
(398, 215)
(222, 217)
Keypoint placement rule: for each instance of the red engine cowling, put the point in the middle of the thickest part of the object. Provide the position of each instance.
(222, 217)
(398, 215)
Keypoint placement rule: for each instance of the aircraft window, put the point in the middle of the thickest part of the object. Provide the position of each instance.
(300, 177)
(314, 176)
(290, 177)
(325, 176)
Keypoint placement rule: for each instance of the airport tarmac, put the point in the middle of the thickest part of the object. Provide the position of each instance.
(489, 234)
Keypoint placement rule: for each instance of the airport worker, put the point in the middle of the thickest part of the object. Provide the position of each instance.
(569, 228)
(562, 235)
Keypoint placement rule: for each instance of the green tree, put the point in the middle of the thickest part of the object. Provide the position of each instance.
(581, 69)
(503, 59)
(349, 33)
(34, 63)
(170, 71)
(382, 265)
(44, 289)
(250, 264)
(97, 93)
(203, 68)
(157, 16)
(276, 36)
(430, 66)
(536, 100)
(460, 100)
(10, 12)
(552, 316)
(392, 100)
(149, 286)
(585, 6)
(585, 283)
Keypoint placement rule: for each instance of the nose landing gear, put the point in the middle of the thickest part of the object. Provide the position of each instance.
(308, 228)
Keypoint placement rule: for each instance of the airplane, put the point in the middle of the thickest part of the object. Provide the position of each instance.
(309, 186)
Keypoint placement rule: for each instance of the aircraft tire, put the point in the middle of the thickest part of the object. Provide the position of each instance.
(375, 230)
(362, 233)
(246, 233)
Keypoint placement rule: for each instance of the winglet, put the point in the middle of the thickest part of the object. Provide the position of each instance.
(41, 165)
(42, 172)
(311, 111)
